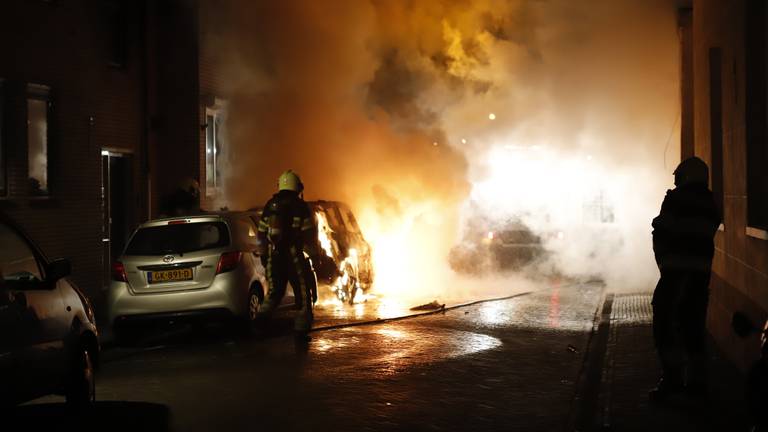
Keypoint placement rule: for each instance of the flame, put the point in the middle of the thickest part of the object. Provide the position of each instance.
(409, 250)
(348, 267)
(324, 234)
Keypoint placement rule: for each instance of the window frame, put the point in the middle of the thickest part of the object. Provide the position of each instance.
(216, 112)
(756, 59)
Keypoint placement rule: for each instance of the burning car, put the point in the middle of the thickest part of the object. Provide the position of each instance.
(497, 247)
(346, 267)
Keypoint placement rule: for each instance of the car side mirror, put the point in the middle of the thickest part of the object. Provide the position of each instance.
(58, 269)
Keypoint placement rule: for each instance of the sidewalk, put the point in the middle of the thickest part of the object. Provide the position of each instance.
(631, 368)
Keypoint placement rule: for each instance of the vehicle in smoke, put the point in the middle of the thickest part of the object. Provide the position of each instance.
(346, 248)
(49, 343)
(346, 265)
(184, 267)
(505, 246)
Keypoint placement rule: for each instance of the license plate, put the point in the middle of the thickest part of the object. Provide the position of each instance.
(169, 275)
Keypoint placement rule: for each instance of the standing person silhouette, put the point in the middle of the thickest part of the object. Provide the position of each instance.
(683, 245)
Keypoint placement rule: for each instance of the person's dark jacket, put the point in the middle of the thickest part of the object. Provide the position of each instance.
(287, 221)
(684, 230)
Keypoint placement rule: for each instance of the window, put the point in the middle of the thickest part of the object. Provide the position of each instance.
(178, 239)
(756, 114)
(118, 41)
(3, 177)
(38, 110)
(214, 122)
(333, 219)
(349, 220)
(716, 124)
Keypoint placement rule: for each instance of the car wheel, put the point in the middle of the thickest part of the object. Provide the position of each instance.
(81, 388)
(255, 299)
(347, 291)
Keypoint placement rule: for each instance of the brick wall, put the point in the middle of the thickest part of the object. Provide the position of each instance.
(176, 127)
(740, 267)
(211, 83)
(66, 45)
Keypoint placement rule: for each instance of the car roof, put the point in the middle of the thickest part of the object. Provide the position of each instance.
(316, 203)
(217, 216)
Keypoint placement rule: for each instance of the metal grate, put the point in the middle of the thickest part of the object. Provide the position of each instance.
(632, 309)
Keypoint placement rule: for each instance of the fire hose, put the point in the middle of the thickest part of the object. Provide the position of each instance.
(438, 310)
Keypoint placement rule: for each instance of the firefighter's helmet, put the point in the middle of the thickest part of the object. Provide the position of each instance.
(289, 180)
(691, 170)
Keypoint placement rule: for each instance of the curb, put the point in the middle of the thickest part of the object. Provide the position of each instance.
(586, 401)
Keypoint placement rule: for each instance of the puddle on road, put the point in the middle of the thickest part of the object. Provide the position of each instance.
(373, 308)
(570, 308)
(389, 349)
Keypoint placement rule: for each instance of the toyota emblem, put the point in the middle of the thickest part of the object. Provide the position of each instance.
(168, 259)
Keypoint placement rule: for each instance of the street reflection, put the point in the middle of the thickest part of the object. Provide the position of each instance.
(391, 348)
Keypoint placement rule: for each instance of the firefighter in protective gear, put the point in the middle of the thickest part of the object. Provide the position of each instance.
(683, 245)
(287, 230)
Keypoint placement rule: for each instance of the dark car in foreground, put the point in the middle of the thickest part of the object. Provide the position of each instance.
(48, 338)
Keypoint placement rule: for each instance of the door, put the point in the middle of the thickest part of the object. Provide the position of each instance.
(117, 206)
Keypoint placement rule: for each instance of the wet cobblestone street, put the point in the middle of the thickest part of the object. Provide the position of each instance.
(500, 365)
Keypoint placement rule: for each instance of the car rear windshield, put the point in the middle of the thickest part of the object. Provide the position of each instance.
(180, 238)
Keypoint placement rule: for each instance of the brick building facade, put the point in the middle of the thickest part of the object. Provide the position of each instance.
(101, 115)
(725, 122)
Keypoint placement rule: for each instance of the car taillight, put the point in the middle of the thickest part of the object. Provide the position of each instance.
(118, 272)
(228, 262)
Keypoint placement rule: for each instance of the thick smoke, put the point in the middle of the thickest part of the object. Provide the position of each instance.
(385, 104)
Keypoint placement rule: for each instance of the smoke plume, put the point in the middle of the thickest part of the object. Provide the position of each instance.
(410, 110)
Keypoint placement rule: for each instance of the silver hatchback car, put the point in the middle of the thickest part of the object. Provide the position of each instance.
(188, 266)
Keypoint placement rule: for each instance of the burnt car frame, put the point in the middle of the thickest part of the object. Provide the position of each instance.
(345, 265)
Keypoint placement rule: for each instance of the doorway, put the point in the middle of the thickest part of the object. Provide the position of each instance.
(116, 203)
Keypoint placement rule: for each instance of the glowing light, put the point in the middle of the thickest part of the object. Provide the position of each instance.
(347, 284)
(463, 140)
(324, 234)
(491, 116)
(403, 244)
(434, 143)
